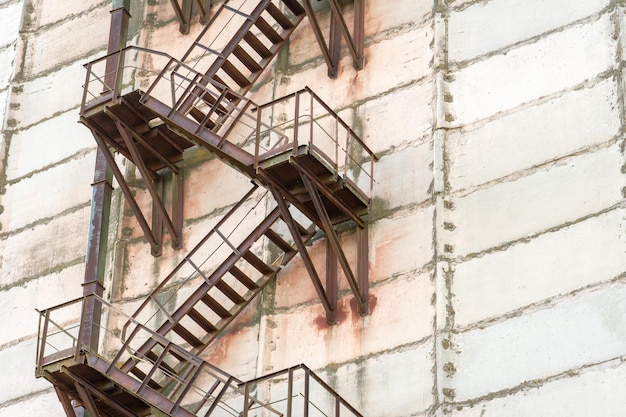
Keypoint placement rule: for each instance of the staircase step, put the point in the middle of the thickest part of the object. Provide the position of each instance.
(257, 263)
(243, 278)
(187, 335)
(218, 80)
(257, 45)
(235, 74)
(214, 305)
(142, 375)
(246, 59)
(268, 31)
(294, 6)
(196, 316)
(279, 241)
(280, 18)
(199, 116)
(210, 100)
(154, 357)
(229, 292)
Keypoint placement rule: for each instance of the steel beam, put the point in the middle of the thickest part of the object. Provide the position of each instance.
(122, 410)
(101, 192)
(87, 400)
(343, 27)
(317, 31)
(66, 402)
(334, 43)
(143, 223)
(327, 303)
(334, 242)
(152, 189)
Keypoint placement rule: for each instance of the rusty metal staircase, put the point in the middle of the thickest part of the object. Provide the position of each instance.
(172, 381)
(314, 172)
(148, 363)
(219, 277)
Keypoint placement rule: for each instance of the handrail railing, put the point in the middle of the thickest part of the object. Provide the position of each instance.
(188, 381)
(127, 74)
(306, 394)
(311, 122)
(173, 282)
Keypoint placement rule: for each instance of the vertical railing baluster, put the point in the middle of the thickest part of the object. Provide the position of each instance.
(290, 393)
(44, 338)
(296, 121)
(86, 87)
(306, 393)
(246, 405)
(347, 157)
(257, 143)
(311, 117)
(336, 139)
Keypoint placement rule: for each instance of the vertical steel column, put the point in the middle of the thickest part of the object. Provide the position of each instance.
(359, 32)
(334, 43)
(101, 197)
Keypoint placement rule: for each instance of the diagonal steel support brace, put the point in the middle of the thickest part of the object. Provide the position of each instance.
(184, 11)
(150, 184)
(66, 402)
(355, 44)
(87, 400)
(95, 392)
(143, 223)
(329, 306)
(335, 244)
(339, 28)
(317, 31)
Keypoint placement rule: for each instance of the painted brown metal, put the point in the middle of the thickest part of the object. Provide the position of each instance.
(338, 29)
(335, 244)
(184, 12)
(299, 174)
(329, 307)
(102, 189)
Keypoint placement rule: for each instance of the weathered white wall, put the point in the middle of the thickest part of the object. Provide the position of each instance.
(498, 234)
(534, 174)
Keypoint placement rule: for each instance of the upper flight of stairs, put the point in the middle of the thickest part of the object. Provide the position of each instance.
(206, 84)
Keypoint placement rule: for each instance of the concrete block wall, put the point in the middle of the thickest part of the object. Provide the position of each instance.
(533, 181)
(497, 238)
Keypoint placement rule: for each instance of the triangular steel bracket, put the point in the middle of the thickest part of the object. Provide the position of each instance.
(358, 282)
(338, 29)
(328, 296)
(154, 184)
(184, 10)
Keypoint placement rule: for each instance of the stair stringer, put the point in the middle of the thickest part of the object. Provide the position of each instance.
(156, 303)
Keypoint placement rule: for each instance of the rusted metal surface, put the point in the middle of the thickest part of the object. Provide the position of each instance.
(338, 29)
(190, 388)
(312, 163)
(102, 188)
(330, 305)
(335, 244)
(184, 11)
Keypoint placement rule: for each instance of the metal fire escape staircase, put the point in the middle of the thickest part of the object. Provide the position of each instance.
(313, 170)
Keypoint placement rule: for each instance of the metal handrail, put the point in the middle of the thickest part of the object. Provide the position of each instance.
(199, 245)
(308, 375)
(299, 119)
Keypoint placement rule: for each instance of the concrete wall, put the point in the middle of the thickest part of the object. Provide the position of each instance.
(497, 241)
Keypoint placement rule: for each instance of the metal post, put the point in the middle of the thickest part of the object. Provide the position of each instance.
(101, 198)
